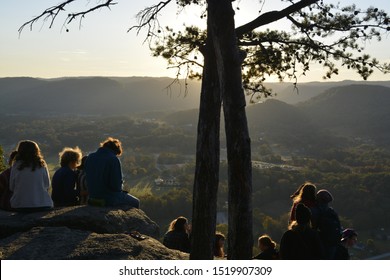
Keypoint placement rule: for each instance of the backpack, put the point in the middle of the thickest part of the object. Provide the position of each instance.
(328, 226)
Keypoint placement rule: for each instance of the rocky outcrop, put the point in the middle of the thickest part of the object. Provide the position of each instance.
(62, 243)
(96, 219)
(81, 232)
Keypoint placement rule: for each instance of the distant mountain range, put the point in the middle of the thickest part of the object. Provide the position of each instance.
(95, 95)
(316, 112)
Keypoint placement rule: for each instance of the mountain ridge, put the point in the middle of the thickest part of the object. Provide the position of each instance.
(92, 95)
(344, 109)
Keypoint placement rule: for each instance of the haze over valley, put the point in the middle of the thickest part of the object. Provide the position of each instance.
(334, 134)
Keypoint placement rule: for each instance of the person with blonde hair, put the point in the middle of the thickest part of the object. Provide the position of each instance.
(103, 172)
(219, 243)
(30, 180)
(64, 192)
(306, 194)
(177, 236)
(267, 247)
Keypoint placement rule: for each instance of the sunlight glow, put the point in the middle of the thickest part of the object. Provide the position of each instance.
(101, 45)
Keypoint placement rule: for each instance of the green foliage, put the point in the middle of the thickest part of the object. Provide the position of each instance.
(358, 175)
(169, 158)
(177, 46)
(163, 206)
(3, 165)
(223, 228)
(320, 33)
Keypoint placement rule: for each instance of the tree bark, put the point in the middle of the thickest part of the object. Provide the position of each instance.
(207, 162)
(229, 60)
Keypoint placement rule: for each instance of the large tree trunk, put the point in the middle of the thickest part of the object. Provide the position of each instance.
(207, 162)
(229, 60)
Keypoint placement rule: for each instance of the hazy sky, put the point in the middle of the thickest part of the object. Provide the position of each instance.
(103, 47)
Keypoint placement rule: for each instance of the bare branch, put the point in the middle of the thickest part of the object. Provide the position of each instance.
(73, 16)
(148, 17)
(53, 12)
(48, 13)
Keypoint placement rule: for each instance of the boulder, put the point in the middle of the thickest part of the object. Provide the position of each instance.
(82, 232)
(95, 219)
(63, 243)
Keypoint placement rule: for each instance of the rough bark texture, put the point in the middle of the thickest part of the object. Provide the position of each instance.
(207, 162)
(229, 61)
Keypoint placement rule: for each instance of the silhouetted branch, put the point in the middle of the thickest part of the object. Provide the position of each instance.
(148, 18)
(52, 13)
(272, 16)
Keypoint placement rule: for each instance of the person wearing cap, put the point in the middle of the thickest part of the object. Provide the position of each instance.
(301, 242)
(348, 240)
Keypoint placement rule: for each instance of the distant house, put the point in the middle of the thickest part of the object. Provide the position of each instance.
(171, 181)
(158, 181)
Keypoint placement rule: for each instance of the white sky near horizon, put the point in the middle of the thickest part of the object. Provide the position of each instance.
(103, 47)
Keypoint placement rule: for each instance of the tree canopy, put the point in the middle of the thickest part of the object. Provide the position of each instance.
(321, 33)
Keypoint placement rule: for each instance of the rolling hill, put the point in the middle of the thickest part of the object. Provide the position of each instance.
(327, 110)
(94, 96)
(353, 110)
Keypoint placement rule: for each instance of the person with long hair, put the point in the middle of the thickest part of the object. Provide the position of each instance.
(177, 236)
(306, 194)
(30, 180)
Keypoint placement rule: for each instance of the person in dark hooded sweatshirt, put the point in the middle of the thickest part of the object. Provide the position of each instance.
(326, 221)
(300, 241)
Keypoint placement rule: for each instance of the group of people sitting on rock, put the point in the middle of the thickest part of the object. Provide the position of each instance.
(314, 231)
(314, 228)
(95, 179)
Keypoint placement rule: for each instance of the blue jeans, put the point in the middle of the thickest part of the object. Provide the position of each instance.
(124, 198)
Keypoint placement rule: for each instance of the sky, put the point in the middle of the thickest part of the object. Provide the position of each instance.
(101, 46)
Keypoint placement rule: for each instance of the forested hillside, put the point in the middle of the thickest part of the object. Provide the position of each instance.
(339, 140)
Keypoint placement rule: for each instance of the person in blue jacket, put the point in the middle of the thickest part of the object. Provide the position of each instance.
(104, 177)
